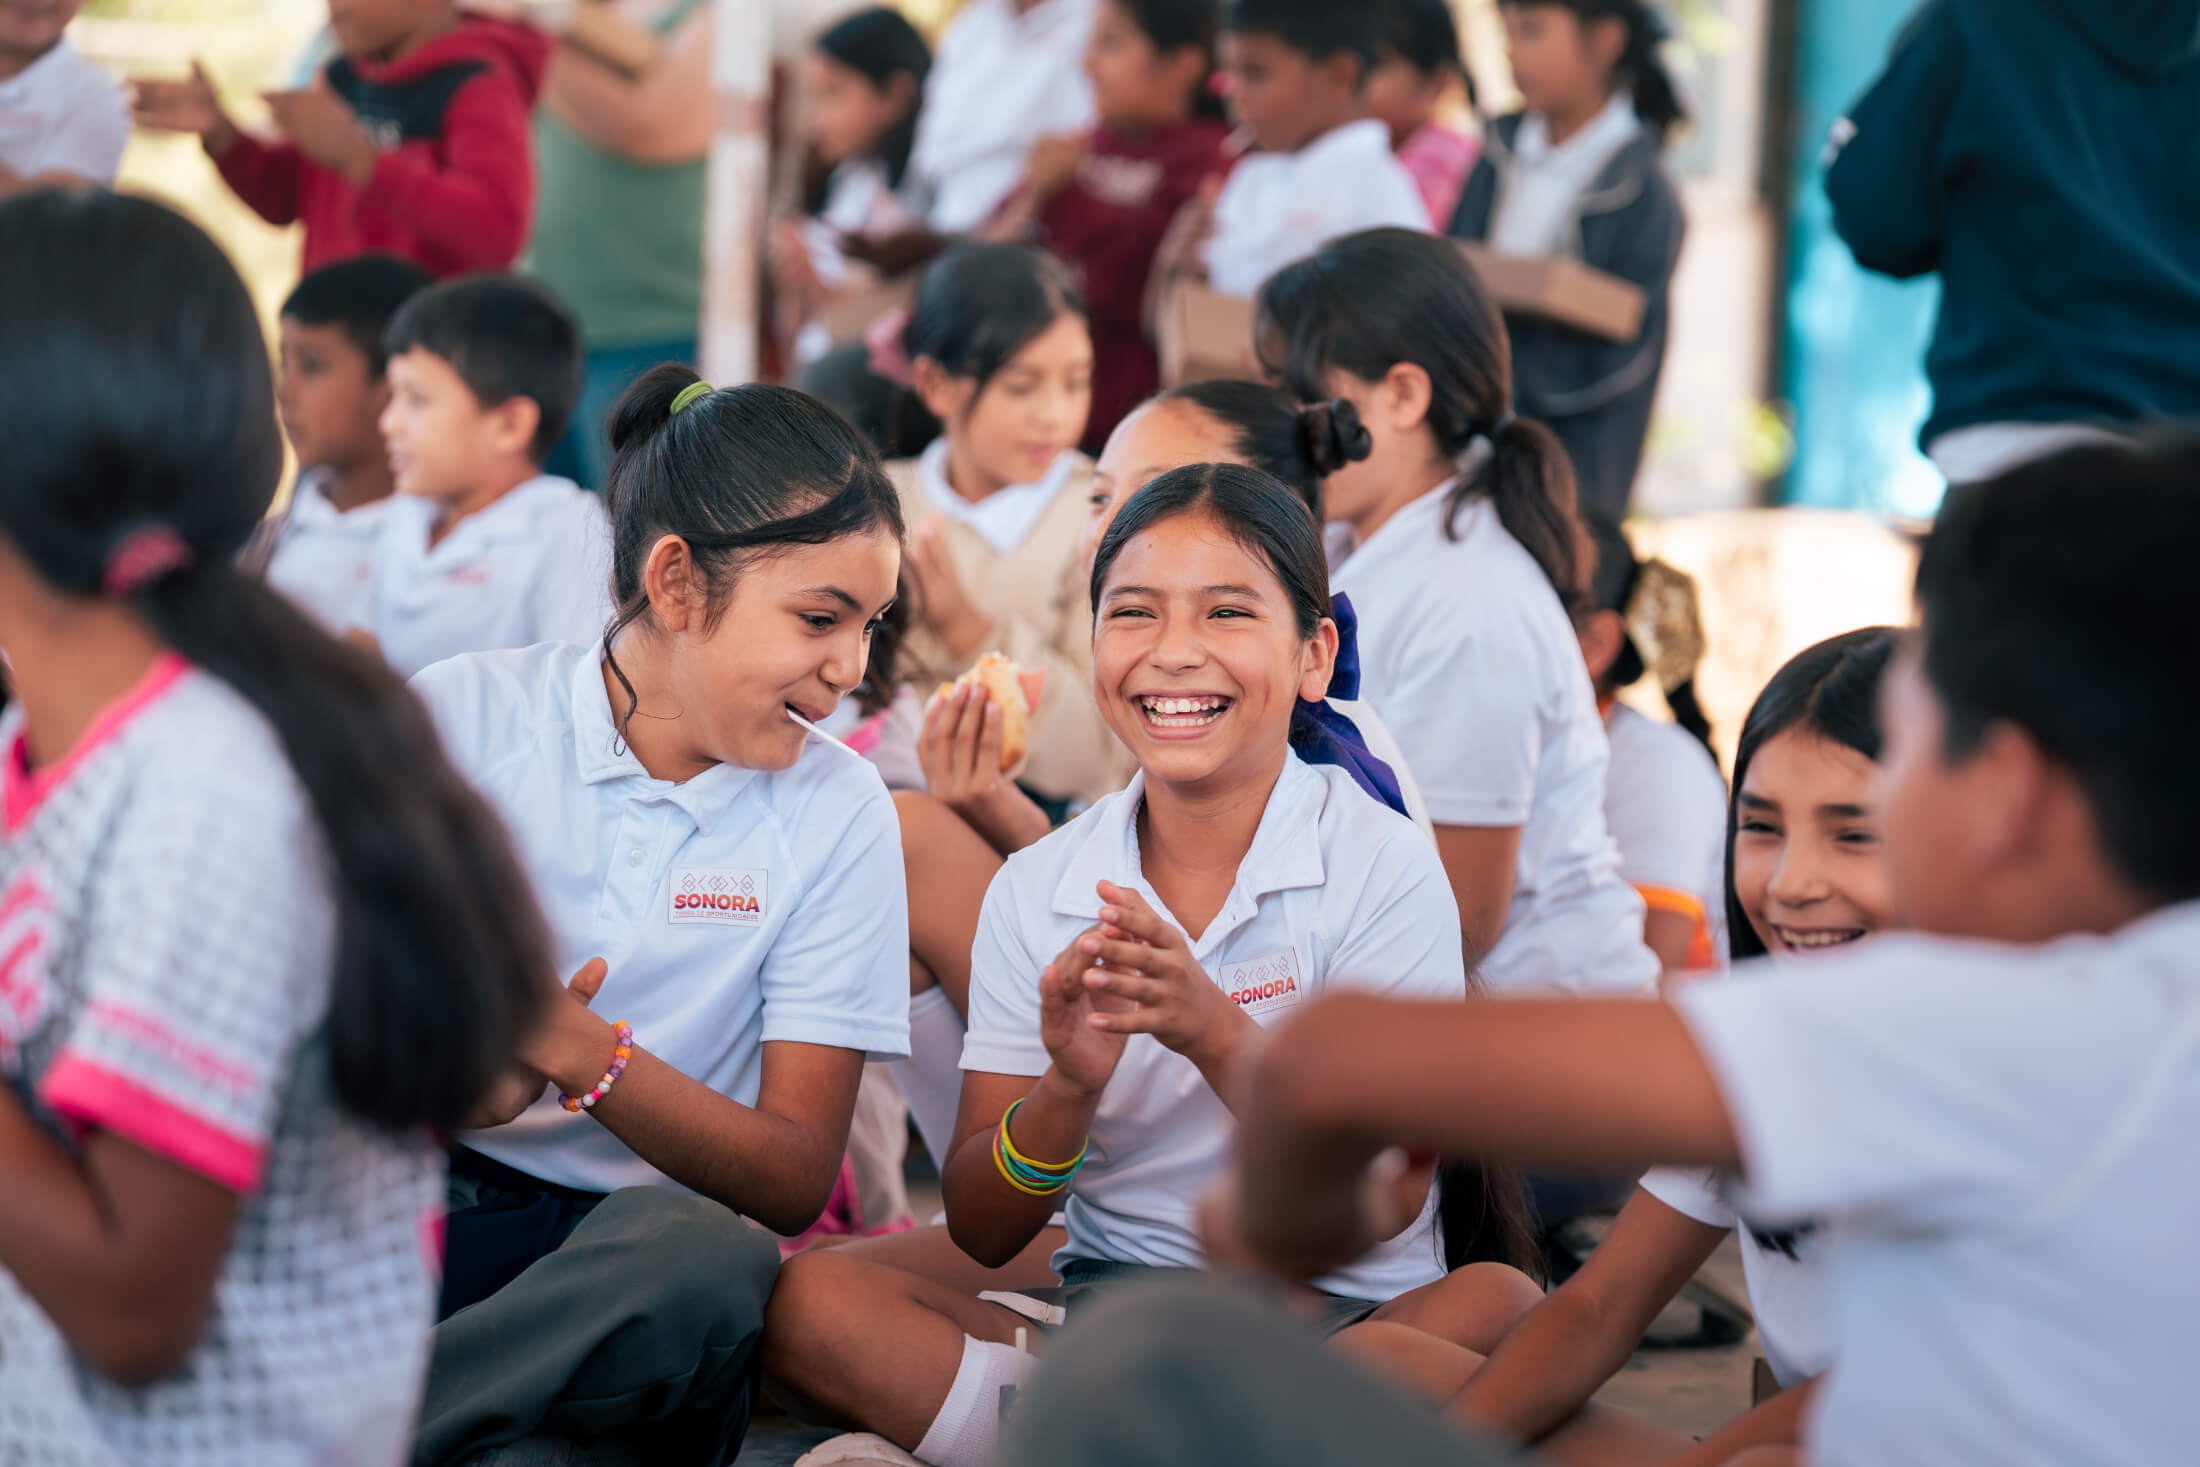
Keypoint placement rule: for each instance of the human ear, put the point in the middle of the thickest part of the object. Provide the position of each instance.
(669, 581)
(1406, 396)
(945, 395)
(1605, 39)
(512, 425)
(1321, 662)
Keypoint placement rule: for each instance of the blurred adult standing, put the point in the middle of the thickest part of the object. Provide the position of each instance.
(619, 223)
(2038, 155)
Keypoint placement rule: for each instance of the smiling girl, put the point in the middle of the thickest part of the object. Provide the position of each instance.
(1001, 358)
(727, 888)
(1807, 874)
(972, 818)
(1127, 961)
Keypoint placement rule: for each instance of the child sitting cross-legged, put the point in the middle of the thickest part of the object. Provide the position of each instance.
(1125, 966)
(1992, 1112)
(1808, 876)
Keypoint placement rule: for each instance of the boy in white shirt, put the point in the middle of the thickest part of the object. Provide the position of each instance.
(480, 549)
(1994, 1111)
(1298, 82)
(62, 119)
(332, 395)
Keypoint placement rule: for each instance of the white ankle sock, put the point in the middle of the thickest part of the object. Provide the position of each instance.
(931, 1078)
(968, 1427)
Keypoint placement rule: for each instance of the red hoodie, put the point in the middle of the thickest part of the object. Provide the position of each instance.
(456, 182)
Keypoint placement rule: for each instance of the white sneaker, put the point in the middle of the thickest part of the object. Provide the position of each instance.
(857, 1449)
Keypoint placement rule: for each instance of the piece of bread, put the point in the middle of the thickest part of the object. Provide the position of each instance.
(998, 676)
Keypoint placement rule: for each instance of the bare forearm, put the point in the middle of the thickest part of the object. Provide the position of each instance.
(1589, 1083)
(1221, 1060)
(1007, 818)
(1544, 1371)
(990, 1220)
(125, 1298)
(761, 1165)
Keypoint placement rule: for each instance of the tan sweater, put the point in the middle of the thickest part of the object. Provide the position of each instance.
(1036, 596)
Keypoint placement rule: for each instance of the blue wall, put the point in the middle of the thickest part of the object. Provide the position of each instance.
(1853, 367)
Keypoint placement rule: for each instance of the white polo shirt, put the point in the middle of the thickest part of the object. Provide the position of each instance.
(1665, 802)
(1337, 891)
(737, 909)
(1786, 1272)
(2001, 1141)
(322, 555)
(535, 566)
(62, 114)
(1279, 207)
(999, 81)
(1468, 656)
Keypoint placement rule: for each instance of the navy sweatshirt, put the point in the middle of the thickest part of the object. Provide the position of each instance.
(2044, 157)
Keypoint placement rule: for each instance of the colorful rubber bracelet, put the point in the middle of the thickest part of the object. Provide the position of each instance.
(622, 1034)
(1052, 1168)
(1008, 1175)
(1036, 1178)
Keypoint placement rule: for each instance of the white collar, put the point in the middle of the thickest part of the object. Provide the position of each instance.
(1007, 516)
(1606, 133)
(1353, 143)
(312, 509)
(510, 516)
(601, 753)
(44, 68)
(1286, 853)
(1416, 518)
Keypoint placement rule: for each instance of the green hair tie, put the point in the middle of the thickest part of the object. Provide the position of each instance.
(691, 392)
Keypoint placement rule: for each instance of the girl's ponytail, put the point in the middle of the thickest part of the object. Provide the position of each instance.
(1367, 302)
(1530, 482)
(442, 958)
(1657, 96)
(143, 451)
(1689, 715)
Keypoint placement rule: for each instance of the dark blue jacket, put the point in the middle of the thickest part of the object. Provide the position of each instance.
(1595, 394)
(2044, 157)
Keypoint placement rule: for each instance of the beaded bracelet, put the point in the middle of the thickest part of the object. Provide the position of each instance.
(1032, 1178)
(622, 1034)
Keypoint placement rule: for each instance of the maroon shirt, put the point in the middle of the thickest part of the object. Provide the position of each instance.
(1107, 224)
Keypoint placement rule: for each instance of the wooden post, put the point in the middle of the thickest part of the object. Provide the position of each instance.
(735, 202)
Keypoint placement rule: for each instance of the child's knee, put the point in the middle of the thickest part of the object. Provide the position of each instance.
(697, 1266)
(813, 1286)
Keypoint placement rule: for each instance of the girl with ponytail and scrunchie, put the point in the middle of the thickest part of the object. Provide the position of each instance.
(1664, 797)
(1459, 546)
(1577, 172)
(262, 945)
